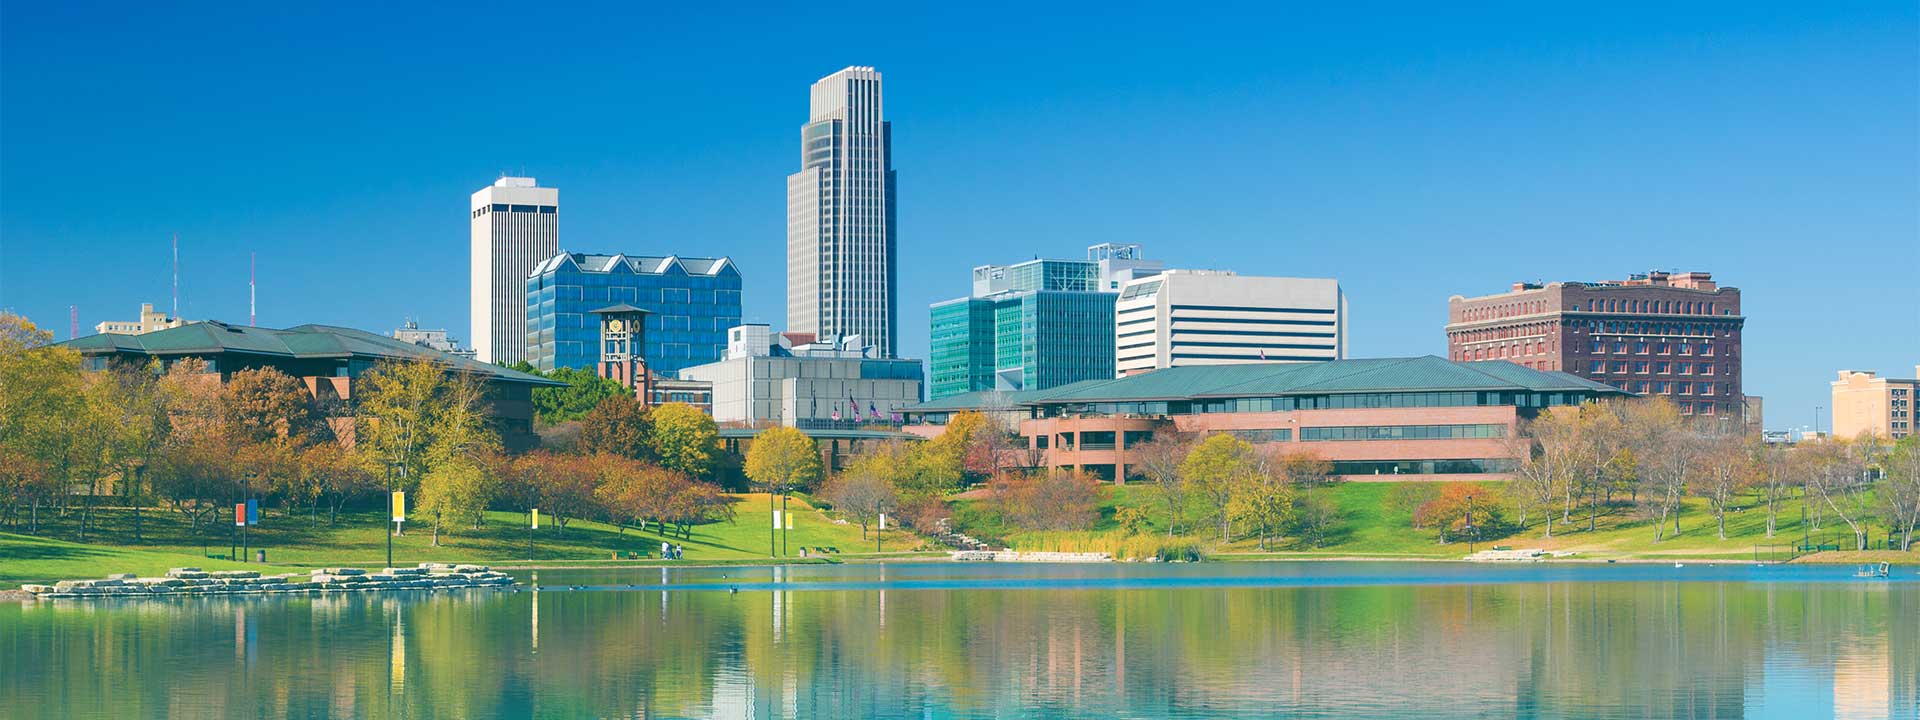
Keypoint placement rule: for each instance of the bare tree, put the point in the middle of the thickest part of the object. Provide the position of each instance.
(1900, 489)
(1726, 469)
(1159, 460)
(1837, 475)
(1666, 451)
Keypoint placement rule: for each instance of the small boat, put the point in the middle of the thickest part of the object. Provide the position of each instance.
(1870, 571)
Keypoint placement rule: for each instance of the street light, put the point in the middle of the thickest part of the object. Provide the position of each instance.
(389, 514)
(246, 517)
(1470, 531)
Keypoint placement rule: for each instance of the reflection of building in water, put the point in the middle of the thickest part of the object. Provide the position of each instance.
(1861, 679)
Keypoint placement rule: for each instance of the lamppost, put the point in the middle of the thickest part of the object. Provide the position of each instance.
(1470, 532)
(246, 517)
(389, 514)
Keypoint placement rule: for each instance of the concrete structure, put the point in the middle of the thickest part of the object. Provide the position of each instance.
(1033, 325)
(431, 339)
(516, 224)
(1864, 402)
(1675, 335)
(1421, 418)
(150, 321)
(841, 240)
(809, 385)
(1216, 317)
(329, 360)
(689, 304)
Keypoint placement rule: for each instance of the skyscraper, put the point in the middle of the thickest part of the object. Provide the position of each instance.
(516, 225)
(1215, 317)
(690, 303)
(840, 216)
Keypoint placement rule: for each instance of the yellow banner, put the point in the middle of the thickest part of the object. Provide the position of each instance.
(400, 507)
(536, 518)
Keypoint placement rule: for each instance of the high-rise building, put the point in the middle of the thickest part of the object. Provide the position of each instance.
(1217, 317)
(689, 304)
(150, 321)
(1866, 403)
(516, 224)
(841, 261)
(1033, 325)
(1670, 334)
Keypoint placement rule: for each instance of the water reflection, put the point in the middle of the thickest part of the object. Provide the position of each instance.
(1198, 642)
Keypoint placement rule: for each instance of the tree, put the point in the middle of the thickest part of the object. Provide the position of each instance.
(1264, 500)
(1545, 453)
(1667, 452)
(865, 489)
(140, 418)
(1838, 474)
(415, 415)
(568, 483)
(694, 503)
(334, 476)
(684, 438)
(1217, 468)
(1727, 469)
(454, 492)
(618, 425)
(585, 390)
(1159, 461)
(1312, 517)
(1900, 491)
(991, 448)
(1064, 500)
(635, 492)
(782, 459)
(1448, 513)
(196, 469)
(264, 404)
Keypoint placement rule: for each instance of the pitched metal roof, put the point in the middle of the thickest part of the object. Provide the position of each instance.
(1414, 374)
(301, 342)
(638, 264)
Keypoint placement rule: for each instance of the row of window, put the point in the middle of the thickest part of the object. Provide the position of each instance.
(1403, 432)
(1642, 347)
(1422, 467)
(1318, 402)
(496, 207)
(1642, 367)
(1662, 387)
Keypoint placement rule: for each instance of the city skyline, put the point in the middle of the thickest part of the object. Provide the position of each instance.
(1753, 148)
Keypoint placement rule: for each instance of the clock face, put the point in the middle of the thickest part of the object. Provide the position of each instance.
(616, 326)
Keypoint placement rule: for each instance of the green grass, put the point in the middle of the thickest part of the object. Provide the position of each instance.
(1373, 525)
(359, 540)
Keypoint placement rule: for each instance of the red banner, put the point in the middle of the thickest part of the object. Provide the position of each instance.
(240, 514)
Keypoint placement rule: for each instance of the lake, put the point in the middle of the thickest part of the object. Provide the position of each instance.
(939, 640)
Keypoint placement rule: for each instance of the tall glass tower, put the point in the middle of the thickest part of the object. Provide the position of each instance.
(841, 260)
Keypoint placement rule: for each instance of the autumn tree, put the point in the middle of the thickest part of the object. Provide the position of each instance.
(417, 414)
(1458, 509)
(567, 483)
(618, 425)
(634, 492)
(334, 476)
(1264, 500)
(684, 439)
(782, 459)
(1727, 469)
(266, 405)
(1064, 500)
(454, 491)
(1216, 469)
(865, 489)
(1311, 517)
(1667, 452)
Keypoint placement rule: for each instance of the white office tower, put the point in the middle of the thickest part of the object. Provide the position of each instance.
(1211, 317)
(840, 216)
(516, 225)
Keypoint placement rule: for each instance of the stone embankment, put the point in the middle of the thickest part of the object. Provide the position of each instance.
(1523, 555)
(1029, 557)
(191, 581)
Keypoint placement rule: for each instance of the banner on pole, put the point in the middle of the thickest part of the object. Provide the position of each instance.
(399, 507)
(253, 511)
(787, 518)
(776, 519)
(883, 521)
(536, 518)
(239, 514)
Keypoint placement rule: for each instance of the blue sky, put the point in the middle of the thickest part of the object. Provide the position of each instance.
(1413, 153)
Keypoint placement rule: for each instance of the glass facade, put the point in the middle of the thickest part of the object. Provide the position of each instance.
(1024, 340)
(1403, 432)
(688, 325)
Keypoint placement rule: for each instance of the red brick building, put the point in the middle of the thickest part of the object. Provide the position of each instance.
(1675, 335)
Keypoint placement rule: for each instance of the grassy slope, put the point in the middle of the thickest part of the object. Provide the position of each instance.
(359, 540)
(1373, 526)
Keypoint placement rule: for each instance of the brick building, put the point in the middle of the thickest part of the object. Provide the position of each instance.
(1675, 335)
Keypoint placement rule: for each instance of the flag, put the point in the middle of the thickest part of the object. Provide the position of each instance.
(253, 511)
(873, 412)
(239, 514)
(1263, 353)
(853, 408)
(536, 522)
(399, 506)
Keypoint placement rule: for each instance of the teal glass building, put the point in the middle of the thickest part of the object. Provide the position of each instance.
(1033, 325)
(692, 302)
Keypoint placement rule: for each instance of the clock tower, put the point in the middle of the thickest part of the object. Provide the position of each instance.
(623, 344)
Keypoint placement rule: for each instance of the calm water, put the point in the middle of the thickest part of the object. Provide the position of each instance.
(1303, 640)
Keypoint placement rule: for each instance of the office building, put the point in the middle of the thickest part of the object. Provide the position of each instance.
(432, 339)
(689, 303)
(841, 241)
(1216, 317)
(1421, 418)
(1675, 335)
(150, 321)
(516, 224)
(1032, 325)
(329, 361)
(1865, 403)
(796, 380)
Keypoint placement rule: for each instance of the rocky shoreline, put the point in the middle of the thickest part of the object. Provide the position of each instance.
(192, 581)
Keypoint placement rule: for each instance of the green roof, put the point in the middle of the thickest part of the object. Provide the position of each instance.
(306, 342)
(1415, 374)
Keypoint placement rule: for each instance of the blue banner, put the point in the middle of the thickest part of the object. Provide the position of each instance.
(253, 511)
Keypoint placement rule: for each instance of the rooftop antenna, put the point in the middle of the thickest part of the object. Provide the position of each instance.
(176, 276)
(73, 321)
(251, 317)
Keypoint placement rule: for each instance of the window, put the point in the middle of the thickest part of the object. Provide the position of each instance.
(1683, 388)
(1706, 388)
(1661, 368)
(1402, 432)
(1686, 368)
(1640, 368)
(1620, 367)
(1599, 348)
(1619, 348)
(1660, 387)
(1599, 366)
(1686, 408)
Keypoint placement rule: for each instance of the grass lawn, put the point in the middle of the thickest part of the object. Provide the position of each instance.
(359, 540)
(1376, 523)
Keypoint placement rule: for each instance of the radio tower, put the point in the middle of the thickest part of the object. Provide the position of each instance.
(176, 276)
(251, 317)
(73, 321)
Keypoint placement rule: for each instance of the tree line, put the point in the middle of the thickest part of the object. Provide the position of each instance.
(175, 438)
